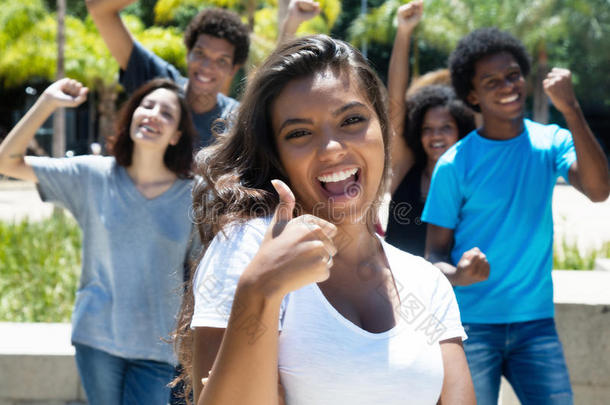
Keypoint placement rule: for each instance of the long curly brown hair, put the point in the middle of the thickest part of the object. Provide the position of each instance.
(237, 169)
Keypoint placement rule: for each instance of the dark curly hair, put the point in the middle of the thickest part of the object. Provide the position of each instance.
(477, 45)
(237, 169)
(178, 158)
(220, 23)
(429, 97)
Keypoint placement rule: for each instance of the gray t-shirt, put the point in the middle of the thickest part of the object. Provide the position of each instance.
(144, 65)
(134, 252)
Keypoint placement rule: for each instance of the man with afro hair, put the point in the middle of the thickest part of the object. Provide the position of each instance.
(490, 198)
(217, 44)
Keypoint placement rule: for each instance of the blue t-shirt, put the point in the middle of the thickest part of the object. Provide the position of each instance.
(134, 252)
(144, 65)
(497, 195)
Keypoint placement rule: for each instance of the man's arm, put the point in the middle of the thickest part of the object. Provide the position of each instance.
(105, 15)
(472, 267)
(589, 174)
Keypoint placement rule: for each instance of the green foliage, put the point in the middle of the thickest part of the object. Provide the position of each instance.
(264, 36)
(571, 33)
(585, 49)
(567, 256)
(178, 13)
(166, 43)
(31, 54)
(39, 269)
(166, 10)
(19, 17)
(143, 9)
(378, 26)
(30, 49)
(446, 21)
(76, 8)
(323, 23)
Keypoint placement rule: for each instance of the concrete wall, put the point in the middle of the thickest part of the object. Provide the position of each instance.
(37, 365)
(582, 315)
(37, 362)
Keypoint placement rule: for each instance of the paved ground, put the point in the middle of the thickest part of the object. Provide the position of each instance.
(575, 217)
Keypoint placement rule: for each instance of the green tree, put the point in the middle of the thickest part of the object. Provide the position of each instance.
(537, 23)
(261, 16)
(30, 51)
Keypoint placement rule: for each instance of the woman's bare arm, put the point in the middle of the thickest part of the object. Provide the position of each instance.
(62, 93)
(408, 16)
(457, 383)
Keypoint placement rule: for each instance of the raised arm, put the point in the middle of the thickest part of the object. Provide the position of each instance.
(408, 16)
(472, 267)
(118, 39)
(294, 252)
(62, 93)
(298, 12)
(589, 174)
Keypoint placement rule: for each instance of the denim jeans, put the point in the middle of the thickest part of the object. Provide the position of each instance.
(528, 354)
(112, 380)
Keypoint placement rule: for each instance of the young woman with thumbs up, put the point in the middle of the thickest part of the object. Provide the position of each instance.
(296, 299)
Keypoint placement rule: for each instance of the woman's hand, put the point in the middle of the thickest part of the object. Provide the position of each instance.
(65, 93)
(62, 93)
(294, 252)
(409, 15)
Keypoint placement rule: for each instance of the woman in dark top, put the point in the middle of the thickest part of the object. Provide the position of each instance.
(425, 125)
(436, 121)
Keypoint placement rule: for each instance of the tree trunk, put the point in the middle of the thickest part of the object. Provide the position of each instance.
(541, 101)
(59, 118)
(250, 9)
(107, 110)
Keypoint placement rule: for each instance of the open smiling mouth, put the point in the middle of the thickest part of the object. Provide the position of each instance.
(509, 99)
(345, 183)
(437, 145)
(149, 129)
(202, 78)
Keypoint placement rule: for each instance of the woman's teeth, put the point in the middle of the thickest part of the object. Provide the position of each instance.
(509, 99)
(337, 176)
(149, 129)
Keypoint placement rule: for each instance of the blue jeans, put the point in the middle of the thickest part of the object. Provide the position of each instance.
(528, 354)
(112, 380)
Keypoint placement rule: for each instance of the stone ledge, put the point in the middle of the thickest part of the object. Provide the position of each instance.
(581, 287)
(37, 361)
(37, 365)
(602, 264)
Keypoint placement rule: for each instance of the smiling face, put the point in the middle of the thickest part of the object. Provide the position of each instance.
(439, 132)
(498, 87)
(210, 64)
(330, 144)
(155, 121)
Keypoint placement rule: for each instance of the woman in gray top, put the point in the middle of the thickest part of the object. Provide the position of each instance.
(133, 209)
